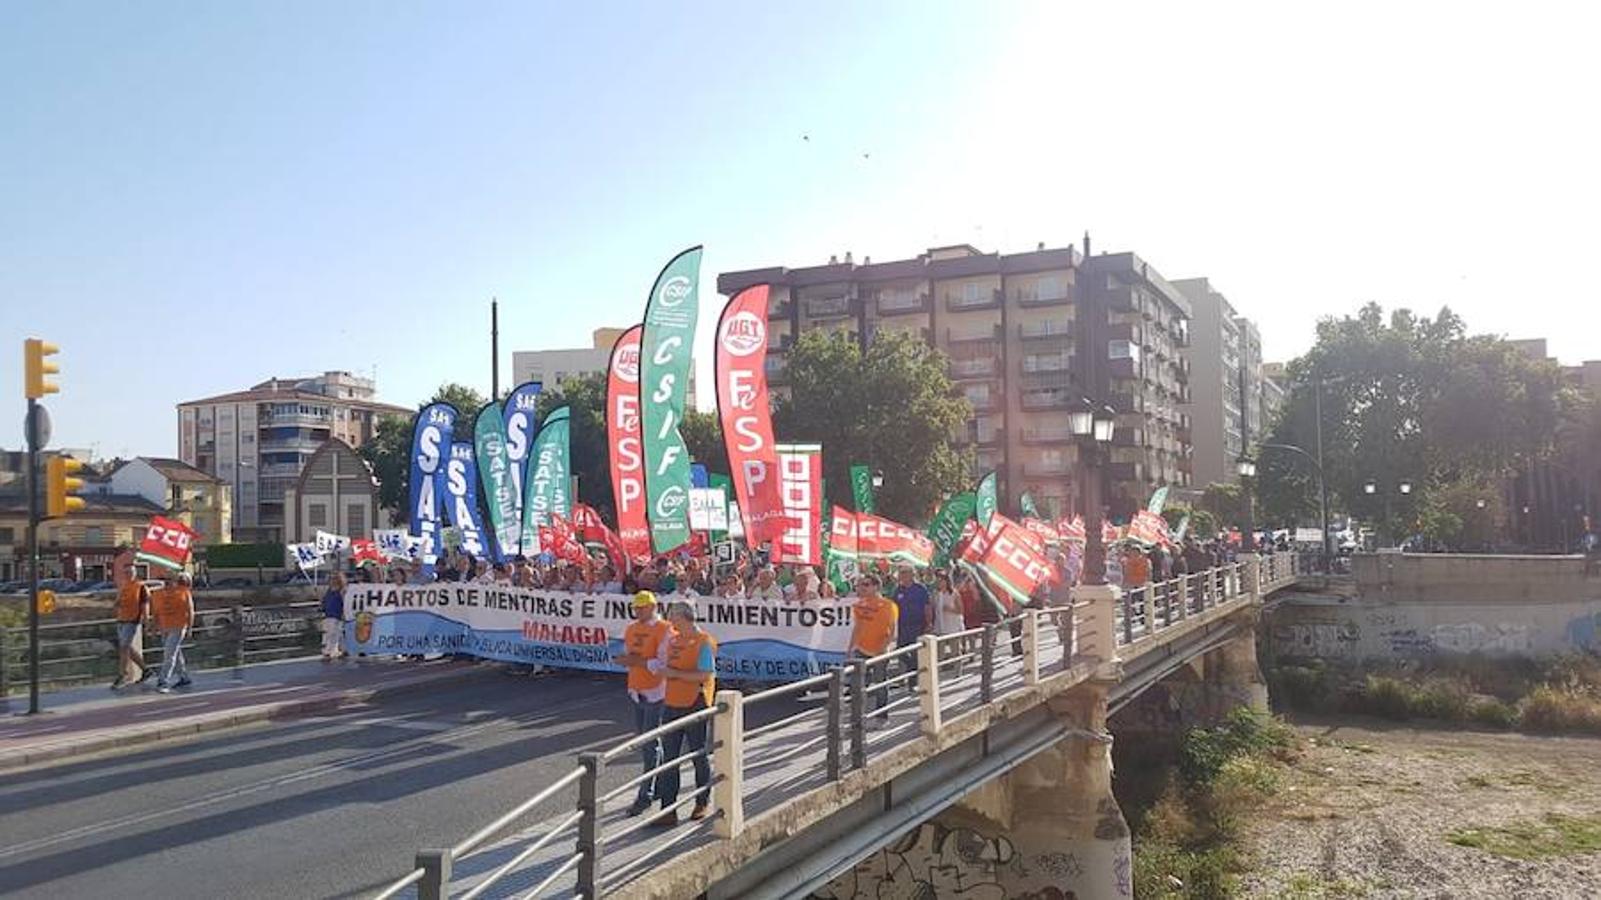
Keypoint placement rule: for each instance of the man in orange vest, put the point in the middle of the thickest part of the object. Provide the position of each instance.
(645, 642)
(874, 622)
(174, 607)
(133, 603)
(691, 681)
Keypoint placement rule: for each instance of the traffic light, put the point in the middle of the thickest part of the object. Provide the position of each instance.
(59, 485)
(35, 385)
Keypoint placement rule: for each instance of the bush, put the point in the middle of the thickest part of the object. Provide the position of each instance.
(1386, 696)
(1244, 731)
(1310, 687)
(1550, 708)
(244, 556)
(1441, 698)
(1493, 713)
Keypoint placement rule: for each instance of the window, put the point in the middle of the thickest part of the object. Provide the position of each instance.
(317, 515)
(355, 520)
(8, 535)
(1050, 288)
(1123, 350)
(92, 535)
(247, 439)
(970, 292)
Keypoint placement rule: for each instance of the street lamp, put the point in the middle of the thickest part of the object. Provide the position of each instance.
(1094, 427)
(878, 480)
(1323, 492)
(1370, 488)
(1405, 487)
(1246, 466)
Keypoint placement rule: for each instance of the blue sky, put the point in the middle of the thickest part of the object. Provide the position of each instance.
(198, 196)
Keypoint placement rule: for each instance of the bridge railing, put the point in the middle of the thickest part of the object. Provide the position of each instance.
(870, 708)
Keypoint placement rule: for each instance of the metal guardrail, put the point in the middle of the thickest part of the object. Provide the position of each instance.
(83, 652)
(944, 678)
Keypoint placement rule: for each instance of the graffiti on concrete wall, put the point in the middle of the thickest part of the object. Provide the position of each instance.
(1584, 632)
(932, 861)
(1473, 637)
(1322, 639)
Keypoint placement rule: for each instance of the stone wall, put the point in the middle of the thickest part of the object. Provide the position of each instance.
(1407, 605)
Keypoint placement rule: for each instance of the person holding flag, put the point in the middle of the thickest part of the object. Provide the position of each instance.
(174, 608)
(133, 604)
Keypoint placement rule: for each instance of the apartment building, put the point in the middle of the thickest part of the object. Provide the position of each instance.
(257, 441)
(1029, 336)
(1231, 405)
(552, 367)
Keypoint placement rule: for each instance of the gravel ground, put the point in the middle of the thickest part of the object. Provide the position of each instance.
(1367, 810)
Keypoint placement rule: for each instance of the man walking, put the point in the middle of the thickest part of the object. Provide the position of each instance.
(333, 617)
(133, 604)
(691, 682)
(645, 643)
(175, 614)
(873, 625)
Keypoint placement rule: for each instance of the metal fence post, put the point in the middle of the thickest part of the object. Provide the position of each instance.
(728, 761)
(1150, 608)
(1127, 602)
(238, 613)
(1031, 646)
(435, 883)
(589, 823)
(859, 715)
(1183, 593)
(5, 651)
(928, 684)
(836, 721)
(986, 660)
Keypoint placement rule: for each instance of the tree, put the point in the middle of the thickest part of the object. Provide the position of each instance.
(893, 408)
(703, 435)
(585, 398)
(388, 451)
(1227, 502)
(1407, 399)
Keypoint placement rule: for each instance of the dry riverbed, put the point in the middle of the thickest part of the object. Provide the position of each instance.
(1372, 809)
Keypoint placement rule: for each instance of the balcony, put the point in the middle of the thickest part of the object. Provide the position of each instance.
(1046, 467)
(1182, 434)
(1181, 333)
(1126, 403)
(1033, 297)
(1125, 331)
(304, 420)
(1049, 434)
(280, 470)
(1126, 368)
(987, 437)
(983, 402)
(899, 303)
(1123, 298)
(780, 309)
(1050, 328)
(1048, 399)
(1128, 437)
(982, 300)
(1052, 362)
(1124, 471)
(975, 343)
(828, 307)
(984, 367)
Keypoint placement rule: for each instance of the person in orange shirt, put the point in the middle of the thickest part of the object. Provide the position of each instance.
(174, 608)
(875, 621)
(133, 603)
(691, 675)
(1136, 568)
(645, 645)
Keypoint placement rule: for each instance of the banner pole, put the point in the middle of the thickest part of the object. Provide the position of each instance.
(494, 350)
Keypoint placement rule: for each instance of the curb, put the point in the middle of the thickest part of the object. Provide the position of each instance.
(221, 721)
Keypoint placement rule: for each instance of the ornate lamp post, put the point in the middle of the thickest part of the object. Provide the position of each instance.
(1093, 426)
(1246, 466)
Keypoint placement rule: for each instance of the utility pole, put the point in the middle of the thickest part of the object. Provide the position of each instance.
(1323, 481)
(33, 555)
(494, 350)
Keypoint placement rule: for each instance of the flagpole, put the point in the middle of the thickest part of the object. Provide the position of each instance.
(494, 350)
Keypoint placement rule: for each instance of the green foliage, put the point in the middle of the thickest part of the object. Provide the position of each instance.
(703, 435)
(1554, 835)
(388, 451)
(1407, 398)
(585, 398)
(1227, 502)
(893, 408)
(1244, 731)
(244, 556)
(1550, 708)
(1493, 713)
(1388, 697)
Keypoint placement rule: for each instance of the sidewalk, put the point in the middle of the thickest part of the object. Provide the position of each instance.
(92, 719)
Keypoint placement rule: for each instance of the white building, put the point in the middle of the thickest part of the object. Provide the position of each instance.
(552, 367)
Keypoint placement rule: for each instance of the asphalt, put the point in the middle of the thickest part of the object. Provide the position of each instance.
(330, 805)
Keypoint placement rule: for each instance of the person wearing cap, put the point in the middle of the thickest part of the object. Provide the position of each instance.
(765, 587)
(174, 607)
(645, 644)
(691, 674)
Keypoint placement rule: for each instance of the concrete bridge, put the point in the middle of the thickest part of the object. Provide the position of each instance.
(992, 766)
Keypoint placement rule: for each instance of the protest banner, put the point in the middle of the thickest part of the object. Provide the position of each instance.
(1010, 561)
(800, 473)
(671, 312)
(864, 536)
(757, 640)
(547, 478)
(862, 489)
(522, 424)
(1148, 528)
(745, 412)
(327, 542)
(430, 443)
(365, 551)
(623, 440)
(305, 556)
(495, 473)
(166, 543)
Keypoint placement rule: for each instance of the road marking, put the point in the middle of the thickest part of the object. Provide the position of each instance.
(398, 751)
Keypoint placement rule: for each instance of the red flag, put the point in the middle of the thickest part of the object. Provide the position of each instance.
(623, 440)
(560, 541)
(1044, 529)
(166, 543)
(592, 529)
(865, 536)
(746, 414)
(1011, 562)
(365, 551)
(800, 538)
(1073, 531)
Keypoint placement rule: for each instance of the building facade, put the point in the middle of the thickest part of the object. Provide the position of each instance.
(199, 500)
(336, 492)
(81, 546)
(1029, 337)
(1231, 406)
(257, 441)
